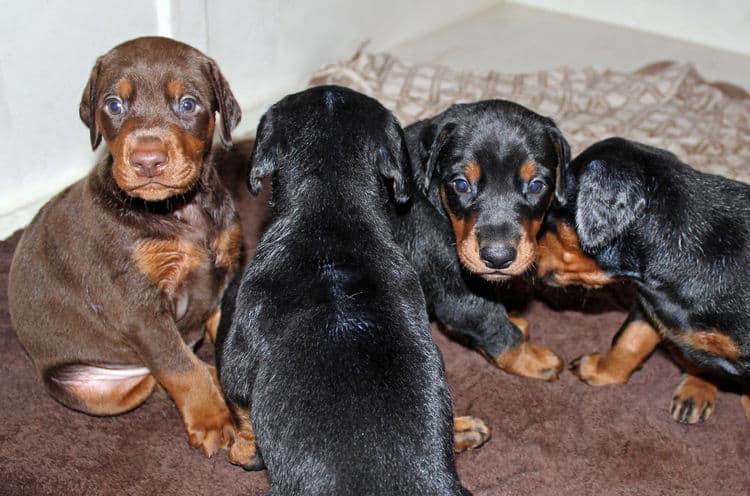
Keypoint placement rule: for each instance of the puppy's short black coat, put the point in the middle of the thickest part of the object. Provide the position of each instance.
(631, 211)
(329, 352)
(486, 174)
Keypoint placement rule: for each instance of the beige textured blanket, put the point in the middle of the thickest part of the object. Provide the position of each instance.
(665, 104)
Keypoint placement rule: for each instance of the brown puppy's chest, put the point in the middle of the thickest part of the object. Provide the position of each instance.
(189, 267)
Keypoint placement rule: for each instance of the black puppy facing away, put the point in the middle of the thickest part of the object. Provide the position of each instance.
(329, 365)
(631, 211)
(486, 174)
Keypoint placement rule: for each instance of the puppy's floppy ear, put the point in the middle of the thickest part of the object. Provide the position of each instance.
(265, 154)
(87, 107)
(609, 201)
(228, 106)
(562, 150)
(394, 163)
(426, 139)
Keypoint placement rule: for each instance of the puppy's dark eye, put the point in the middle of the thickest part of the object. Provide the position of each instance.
(187, 105)
(461, 186)
(114, 105)
(536, 186)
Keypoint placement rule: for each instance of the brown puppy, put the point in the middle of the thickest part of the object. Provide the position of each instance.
(121, 273)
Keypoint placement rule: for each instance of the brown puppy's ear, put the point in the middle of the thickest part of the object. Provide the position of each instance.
(393, 162)
(228, 106)
(87, 108)
(562, 150)
(427, 138)
(265, 154)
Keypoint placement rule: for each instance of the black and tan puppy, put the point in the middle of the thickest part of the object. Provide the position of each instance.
(119, 274)
(486, 174)
(631, 211)
(329, 355)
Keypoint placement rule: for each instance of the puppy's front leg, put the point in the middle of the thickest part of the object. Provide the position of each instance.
(191, 383)
(501, 338)
(633, 344)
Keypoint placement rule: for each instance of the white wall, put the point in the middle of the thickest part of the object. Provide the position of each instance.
(266, 48)
(723, 24)
(46, 53)
(276, 44)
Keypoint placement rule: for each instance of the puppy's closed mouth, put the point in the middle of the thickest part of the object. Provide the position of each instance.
(155, 190)
(495, 276)
(155, 187)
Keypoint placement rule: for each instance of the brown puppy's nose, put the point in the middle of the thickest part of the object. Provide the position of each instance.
(498, 256)
(149, 161)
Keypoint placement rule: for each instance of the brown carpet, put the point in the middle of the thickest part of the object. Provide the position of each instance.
(562, 438)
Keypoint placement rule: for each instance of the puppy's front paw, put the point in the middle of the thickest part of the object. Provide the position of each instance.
(593, 370)
(693, 401)
(210, 428)
(244, 452)
(530, 360)
(198, 397)
(469, 433)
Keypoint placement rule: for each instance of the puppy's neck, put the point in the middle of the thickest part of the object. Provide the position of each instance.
(319, 197)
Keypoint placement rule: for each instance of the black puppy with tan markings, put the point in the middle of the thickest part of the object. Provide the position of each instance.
(486, 174)
(329, 364)
(118, 275)
(633, 212)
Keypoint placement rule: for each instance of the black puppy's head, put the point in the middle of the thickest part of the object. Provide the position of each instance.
(334, 134)
(602, 198)
(493, 167)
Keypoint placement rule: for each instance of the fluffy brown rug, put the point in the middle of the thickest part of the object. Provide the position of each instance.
(562, 438)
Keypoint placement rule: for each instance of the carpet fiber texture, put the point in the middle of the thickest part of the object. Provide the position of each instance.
(562, 438)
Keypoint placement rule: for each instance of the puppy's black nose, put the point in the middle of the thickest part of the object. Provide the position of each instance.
(498, 256)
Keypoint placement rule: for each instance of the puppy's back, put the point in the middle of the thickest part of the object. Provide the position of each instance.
(348, 391)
